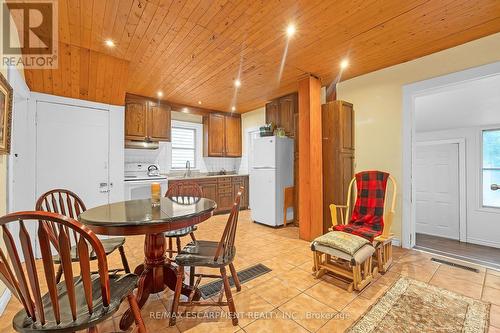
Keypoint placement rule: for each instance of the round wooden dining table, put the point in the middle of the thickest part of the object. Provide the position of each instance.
(140, 217)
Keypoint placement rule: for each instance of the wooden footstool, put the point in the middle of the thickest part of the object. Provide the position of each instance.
(347, 257)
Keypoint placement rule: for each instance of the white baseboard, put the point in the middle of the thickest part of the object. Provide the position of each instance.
(483, 242)
(4, 300)
(396, 242)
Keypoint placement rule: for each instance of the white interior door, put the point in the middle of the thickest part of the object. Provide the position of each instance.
(72, 151)
(437, 190)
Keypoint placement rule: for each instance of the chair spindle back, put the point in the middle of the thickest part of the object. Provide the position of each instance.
(226, 243)
(184, 192)
(62, 202)
(23, 280)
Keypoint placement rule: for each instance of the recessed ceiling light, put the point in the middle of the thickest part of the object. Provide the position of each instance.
(344, 63)
(199, 102)
(233, 108)
(290, 30)
(109, 43)
(159, 93)
(237, 83)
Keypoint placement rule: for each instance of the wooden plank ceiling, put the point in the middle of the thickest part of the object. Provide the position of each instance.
(193, 50)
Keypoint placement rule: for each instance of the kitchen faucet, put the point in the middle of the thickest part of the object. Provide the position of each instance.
(188, 169)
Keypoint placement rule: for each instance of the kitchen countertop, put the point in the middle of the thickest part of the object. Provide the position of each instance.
(204, 175)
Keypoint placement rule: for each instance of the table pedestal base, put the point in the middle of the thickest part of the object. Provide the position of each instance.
(154, 276)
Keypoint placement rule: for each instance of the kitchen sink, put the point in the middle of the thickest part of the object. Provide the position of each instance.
(220, 173)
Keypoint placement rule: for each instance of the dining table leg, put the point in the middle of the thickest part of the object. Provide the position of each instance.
(155, 275)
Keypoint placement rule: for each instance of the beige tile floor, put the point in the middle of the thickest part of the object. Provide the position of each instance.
(289, 299)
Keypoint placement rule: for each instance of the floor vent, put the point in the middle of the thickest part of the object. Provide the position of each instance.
(449, 263)
(245, 275)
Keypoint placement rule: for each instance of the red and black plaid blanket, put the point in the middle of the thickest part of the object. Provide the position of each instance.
(367, 218)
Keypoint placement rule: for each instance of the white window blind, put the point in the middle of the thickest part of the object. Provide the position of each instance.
(183, 147)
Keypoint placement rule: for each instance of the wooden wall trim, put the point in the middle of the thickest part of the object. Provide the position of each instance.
(189, 109)
(310, 160)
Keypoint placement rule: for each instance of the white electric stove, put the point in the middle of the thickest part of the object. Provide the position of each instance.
(138, 180)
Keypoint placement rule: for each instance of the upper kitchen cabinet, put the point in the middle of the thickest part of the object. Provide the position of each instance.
(232, 135)
(213, 135)
(281, 112)
(135, 119)
(146, 119)
(273, 112)
(222, 135)
(288, 109)
(159, 121)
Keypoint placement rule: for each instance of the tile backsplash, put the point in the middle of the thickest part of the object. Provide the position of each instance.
(213, 164)
(159, 156)
(162, 156)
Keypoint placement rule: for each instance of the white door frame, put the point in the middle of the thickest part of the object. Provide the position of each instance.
(462, 179)
(410, 93)
(248, 138)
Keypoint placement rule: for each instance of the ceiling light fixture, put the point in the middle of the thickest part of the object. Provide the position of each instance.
(233, 108)
(344, 63)
(160, 94)
(237, 83)
(109, 43)
(290, 30)
(199, 102)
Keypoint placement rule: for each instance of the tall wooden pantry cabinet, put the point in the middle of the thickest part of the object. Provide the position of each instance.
(338, 155)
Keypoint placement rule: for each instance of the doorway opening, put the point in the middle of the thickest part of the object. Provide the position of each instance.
(454, 164)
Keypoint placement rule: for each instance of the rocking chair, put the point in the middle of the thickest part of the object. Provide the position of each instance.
(364, 230)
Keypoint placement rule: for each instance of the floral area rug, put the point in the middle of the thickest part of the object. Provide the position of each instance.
(414, 306)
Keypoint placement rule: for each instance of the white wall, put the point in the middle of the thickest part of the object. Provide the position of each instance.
(378, 104)
(249, 120)
(482, 223)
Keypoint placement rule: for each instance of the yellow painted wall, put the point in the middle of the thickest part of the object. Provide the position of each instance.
(255, 118)
(3, 158)
(378, 103)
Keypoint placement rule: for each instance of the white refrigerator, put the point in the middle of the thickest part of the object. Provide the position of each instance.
(271, 171)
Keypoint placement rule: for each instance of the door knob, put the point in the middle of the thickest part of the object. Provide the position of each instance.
(495, 187)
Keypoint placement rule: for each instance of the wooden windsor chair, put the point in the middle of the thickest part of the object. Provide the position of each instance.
(210, 254)
(182, 192)
(69, 204)
(79, 302)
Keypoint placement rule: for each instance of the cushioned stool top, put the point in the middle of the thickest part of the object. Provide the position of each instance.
(359, 257)
(342, 241)
(343, 245)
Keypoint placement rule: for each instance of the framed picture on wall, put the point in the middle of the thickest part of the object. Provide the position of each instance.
(5, 115)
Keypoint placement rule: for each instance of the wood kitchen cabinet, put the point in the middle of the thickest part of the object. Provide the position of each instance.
(232, 136)
(135, 119)
(222, 190)
(146, 119)
(222, 135)
(273, 112)
(281, 112)
(159, 121)
(209, 189)
(338, 154)
(237, 183)
(288, 109)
